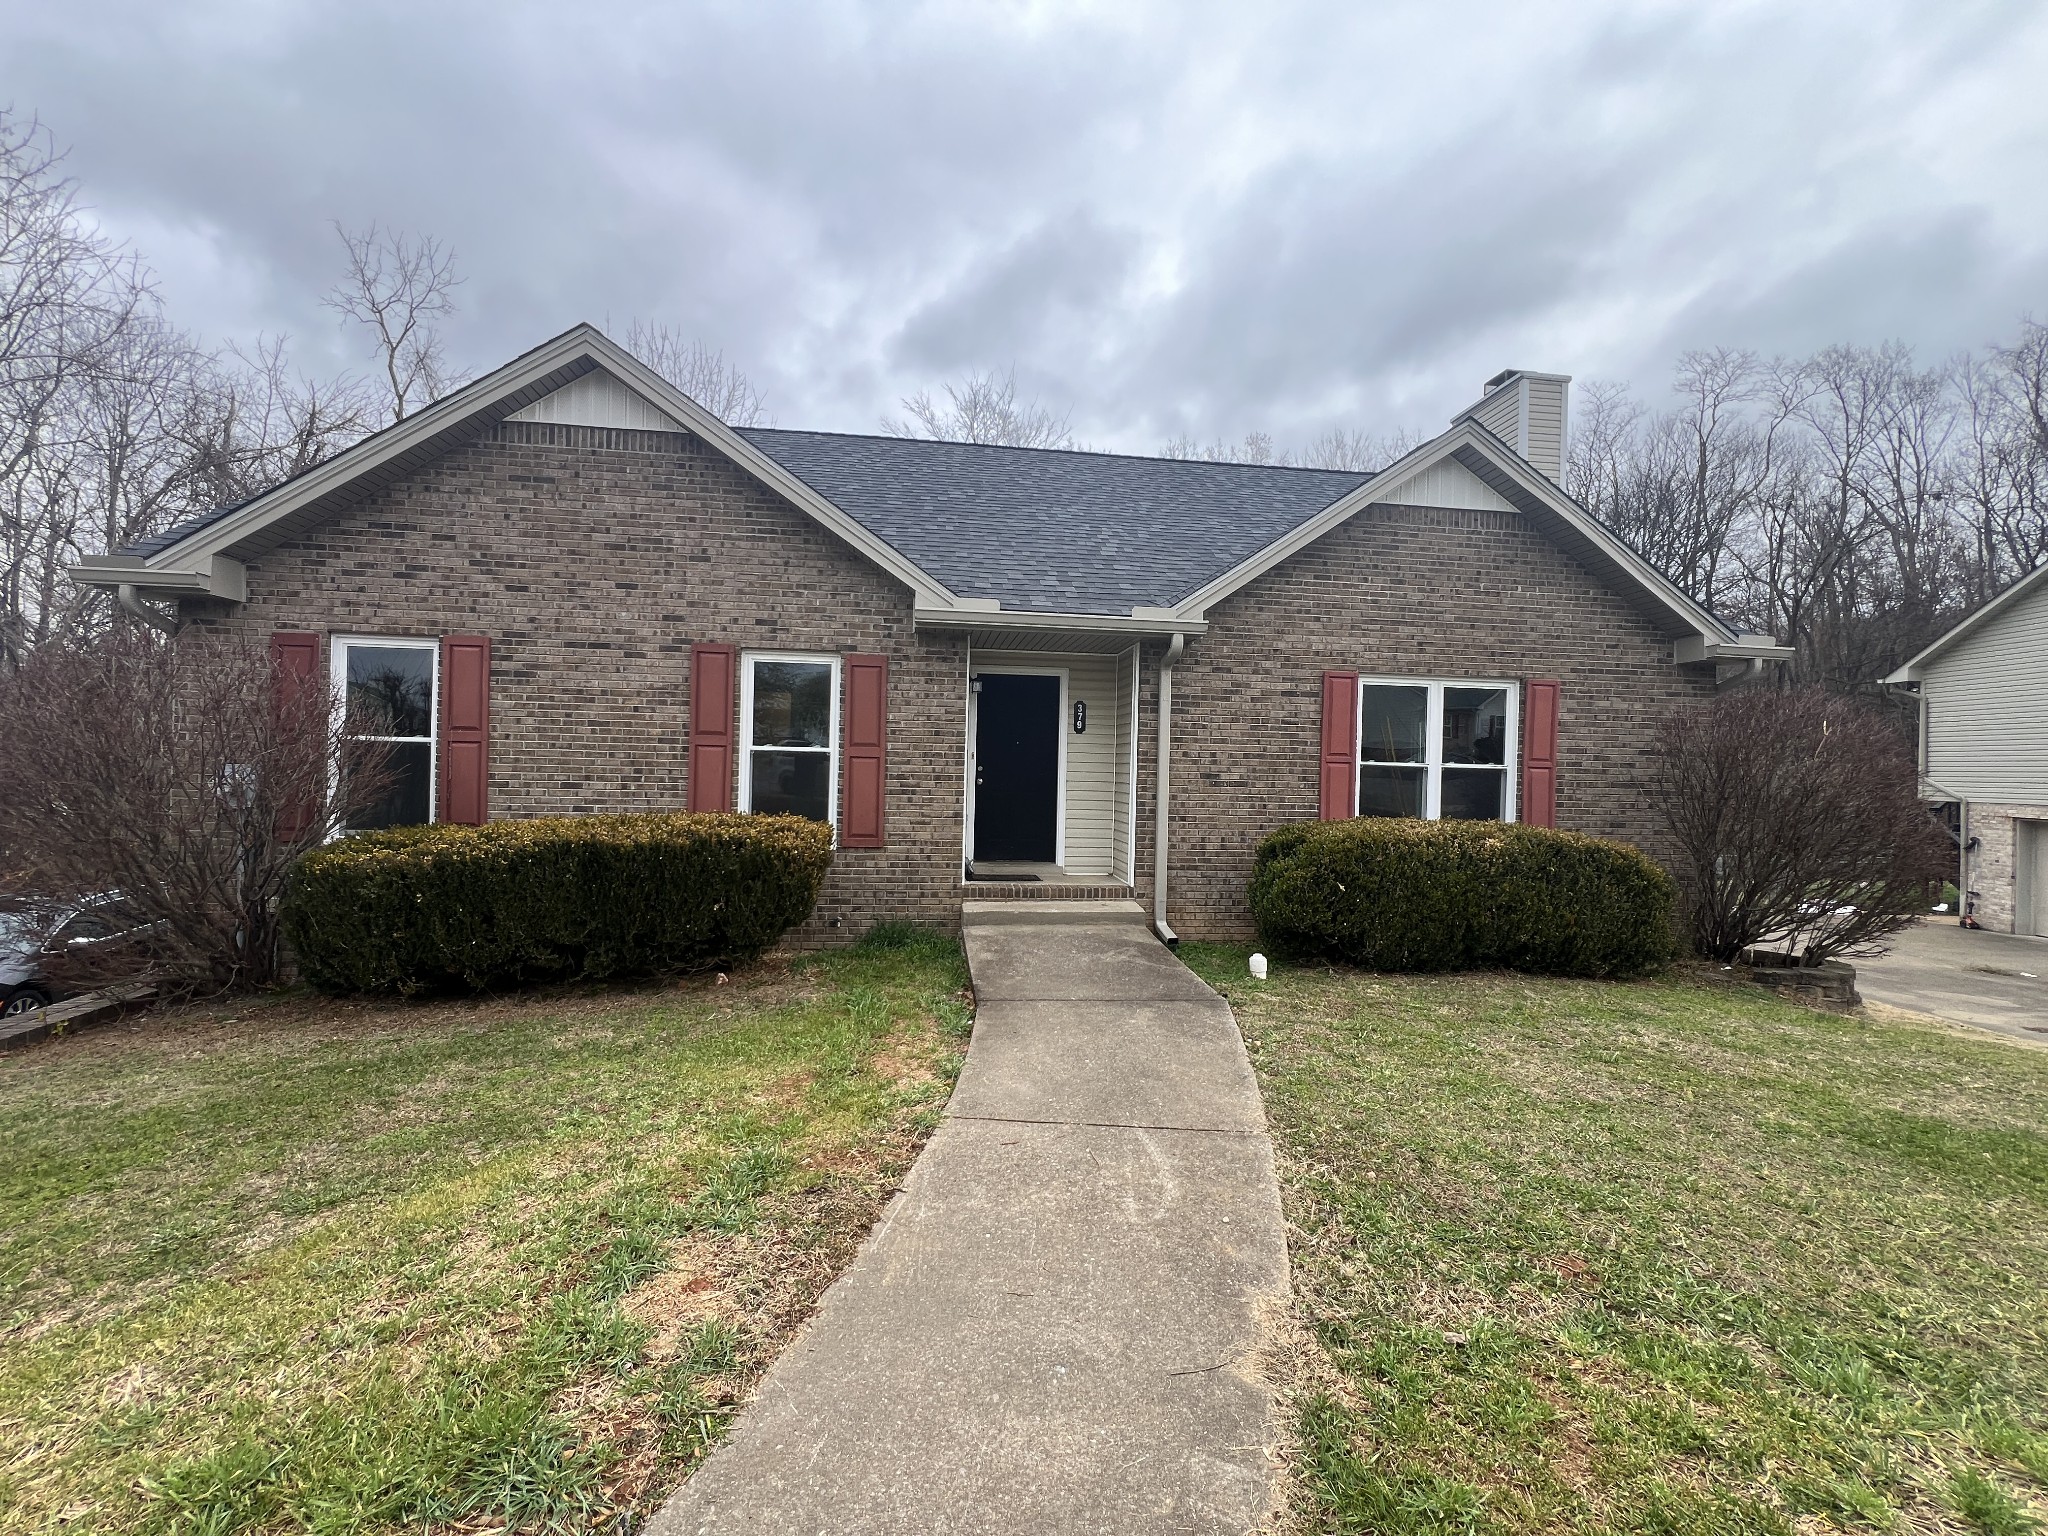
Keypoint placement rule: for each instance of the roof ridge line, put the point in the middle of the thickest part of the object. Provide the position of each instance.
(1079, 453)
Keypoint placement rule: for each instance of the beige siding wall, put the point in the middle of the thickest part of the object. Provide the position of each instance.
(1501, 415)
(1546, 427)
(1120, 843)
(1448, 484)
(1092, 756)
(1987, 708)
(599, 400)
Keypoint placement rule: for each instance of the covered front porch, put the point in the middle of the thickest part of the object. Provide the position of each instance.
(1049, 788)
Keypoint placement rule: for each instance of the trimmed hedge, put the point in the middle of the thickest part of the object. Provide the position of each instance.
(1403, 895)
(558, 897)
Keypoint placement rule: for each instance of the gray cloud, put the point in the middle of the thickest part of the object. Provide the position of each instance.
(1174, 217)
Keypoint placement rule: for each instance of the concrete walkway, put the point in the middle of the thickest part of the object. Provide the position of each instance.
(1053, 1328)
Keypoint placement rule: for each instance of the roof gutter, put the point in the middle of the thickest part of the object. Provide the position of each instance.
(1752, 648)
(1159, 800)
(1138, 622)
(220, 578)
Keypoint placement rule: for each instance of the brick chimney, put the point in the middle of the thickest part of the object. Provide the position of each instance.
(1527, 411)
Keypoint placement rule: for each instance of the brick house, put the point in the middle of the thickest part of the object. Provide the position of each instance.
(996, 671)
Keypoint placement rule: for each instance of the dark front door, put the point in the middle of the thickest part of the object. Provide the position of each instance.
(1017, 768)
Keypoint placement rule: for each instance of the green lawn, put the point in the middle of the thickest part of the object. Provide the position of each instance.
(338, 1267)
(1657, 1257)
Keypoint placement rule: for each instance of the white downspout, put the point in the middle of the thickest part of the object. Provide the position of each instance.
(1159, 805)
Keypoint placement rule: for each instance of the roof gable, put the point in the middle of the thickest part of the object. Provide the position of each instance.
(1517, 483)
(2030, 588)
(599, 399)
(202, 556)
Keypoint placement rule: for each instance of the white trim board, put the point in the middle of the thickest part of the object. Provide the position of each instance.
(337, 687)
(744, 790)
(1433, 764)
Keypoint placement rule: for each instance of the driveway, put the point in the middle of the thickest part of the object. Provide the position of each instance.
(1995, 981)
(1057, 1326)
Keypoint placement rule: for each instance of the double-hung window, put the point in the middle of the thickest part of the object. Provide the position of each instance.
(1437, 749)
(388, 691)
(789, 719)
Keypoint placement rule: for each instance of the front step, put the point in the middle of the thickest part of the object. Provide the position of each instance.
(1021, 913)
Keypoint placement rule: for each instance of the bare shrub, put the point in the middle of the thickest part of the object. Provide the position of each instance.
(1799, 822)
(185, 775)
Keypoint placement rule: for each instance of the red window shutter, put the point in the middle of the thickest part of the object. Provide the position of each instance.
(1340, 746)
(714, 701)
(866, 759)
(1539, 754)
(295, 687)
(465, 730)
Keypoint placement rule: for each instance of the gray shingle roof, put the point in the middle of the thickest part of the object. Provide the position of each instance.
(1040, 530)
(158, 542)
(1050, 531)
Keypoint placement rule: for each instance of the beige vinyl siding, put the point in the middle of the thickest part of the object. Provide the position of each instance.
(1448, 484)
(599, 400)
(1545, 445)
(1987, 708)
(1126, 723)
(1092, 756)
(1501, 414)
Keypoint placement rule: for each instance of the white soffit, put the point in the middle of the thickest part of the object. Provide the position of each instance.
(600, 400)
(1446, 483)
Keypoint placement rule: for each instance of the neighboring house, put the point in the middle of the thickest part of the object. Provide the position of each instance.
(568, 588)
(1983, 690)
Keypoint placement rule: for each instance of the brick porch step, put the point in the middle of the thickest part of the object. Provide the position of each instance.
(1037, 890)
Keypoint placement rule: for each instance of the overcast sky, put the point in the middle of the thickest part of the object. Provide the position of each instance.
(1169, 217)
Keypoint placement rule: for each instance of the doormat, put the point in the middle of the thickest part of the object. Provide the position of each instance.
(1001, 879)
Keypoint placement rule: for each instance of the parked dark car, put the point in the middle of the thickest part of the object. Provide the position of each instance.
(30, 935)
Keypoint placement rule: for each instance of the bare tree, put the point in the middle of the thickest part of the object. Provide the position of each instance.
(700, 372)
(1253, 448)
(68, 300)
(1338, 448)
(397, 286)
(983, 408)
(1344, 448)
(182, 776)
(1799, 823)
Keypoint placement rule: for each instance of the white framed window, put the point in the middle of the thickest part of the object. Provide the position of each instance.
(789, 735)
(390, 691)
(1437, 749)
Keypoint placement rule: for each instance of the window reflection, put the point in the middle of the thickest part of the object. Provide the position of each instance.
(1393, 724)
(388, 696)
(1434, 749)
(1390, 791)
(390, 690)
(1471, 794)
(792, 704)
(1475, 725)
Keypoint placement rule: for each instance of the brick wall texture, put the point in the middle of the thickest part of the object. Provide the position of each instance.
(1994, 873)
(1404, 592)
(594, 558)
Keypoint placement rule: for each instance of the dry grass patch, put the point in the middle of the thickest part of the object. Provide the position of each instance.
(1654, 1257)
(492, 1264)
